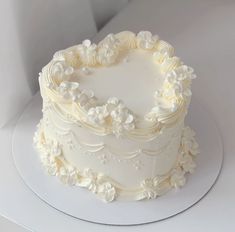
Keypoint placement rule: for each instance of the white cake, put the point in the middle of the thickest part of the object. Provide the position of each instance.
(113, 117)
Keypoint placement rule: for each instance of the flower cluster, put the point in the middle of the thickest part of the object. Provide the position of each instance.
(70, 91)
(98, 114)
(189, 149)
(154, 187)
(113, 112)
(176, 86)
(146, 40)
(177, 178)
(108, 50)
(50, 159)
(164, 52)
(187, 163)
(55, 148)
(107, 192)
(50, 151)
(87, 52)
(90, 180)
(94, 182)
(105, 53)
(188, 142)
(68, 175)
(55, 164)
(177, 83)
(161, 55)
(49, 164)
(61, 71)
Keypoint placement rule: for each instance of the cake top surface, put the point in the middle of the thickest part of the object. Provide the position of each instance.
(127, 84)
(133, 80)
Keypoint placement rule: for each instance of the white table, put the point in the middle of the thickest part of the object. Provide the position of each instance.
(202, 32)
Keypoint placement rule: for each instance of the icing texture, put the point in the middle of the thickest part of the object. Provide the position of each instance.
(123, 145)
(105, 187)
(171, 99)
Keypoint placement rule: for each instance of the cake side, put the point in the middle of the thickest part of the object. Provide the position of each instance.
(114, 150)
(56, 163)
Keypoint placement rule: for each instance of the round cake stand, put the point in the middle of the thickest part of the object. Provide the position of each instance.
(82, 204)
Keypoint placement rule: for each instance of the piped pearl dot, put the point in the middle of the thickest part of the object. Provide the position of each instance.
(86, 43)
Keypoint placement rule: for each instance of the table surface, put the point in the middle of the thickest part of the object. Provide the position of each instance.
(203, 35)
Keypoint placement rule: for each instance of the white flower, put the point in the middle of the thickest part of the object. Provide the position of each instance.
(49, 164)
(49, 153)
(177, 84)
(161, 55)
(107, 191)
(122, 119)
(87, 52)
(108, 50)
(114, 113)
(151, 116)
(187, 163)
(149, 189)
(69, 90)
(55, 149)
(89, 181)
(153, 187)
(97, 115)
(61, 71)
(85, 97)
(188, 142)
(146, 40)
(177, 178)
(173, 86)
(106, 56)
(68, 175)
(118, 113)
(110, 41)
(184, 72)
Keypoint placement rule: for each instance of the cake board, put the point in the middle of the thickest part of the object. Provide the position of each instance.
(82, 204)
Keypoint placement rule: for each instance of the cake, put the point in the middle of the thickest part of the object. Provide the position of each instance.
(113, 117)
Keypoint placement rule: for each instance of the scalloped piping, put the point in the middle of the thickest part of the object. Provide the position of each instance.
(107, 189)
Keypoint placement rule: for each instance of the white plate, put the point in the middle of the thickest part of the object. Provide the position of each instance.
(81, 204)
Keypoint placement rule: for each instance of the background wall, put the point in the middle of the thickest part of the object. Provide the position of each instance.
(104, 10)
(31, 31)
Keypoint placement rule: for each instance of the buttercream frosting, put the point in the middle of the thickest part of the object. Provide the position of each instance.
(113, 117)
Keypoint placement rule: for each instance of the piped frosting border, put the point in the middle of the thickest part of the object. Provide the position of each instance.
(112, 117)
